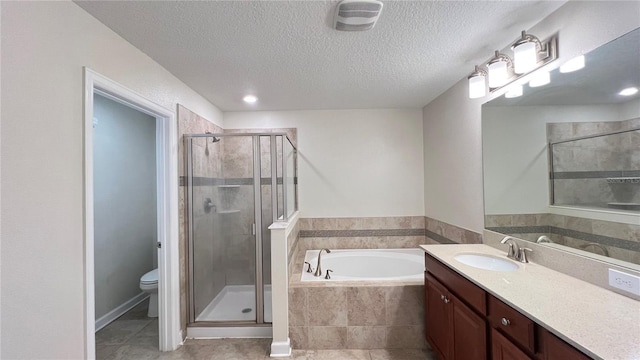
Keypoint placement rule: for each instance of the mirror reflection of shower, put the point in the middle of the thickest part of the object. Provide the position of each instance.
(597, 165)
(236, 188)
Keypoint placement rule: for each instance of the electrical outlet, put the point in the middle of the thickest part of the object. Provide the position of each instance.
(623, 281)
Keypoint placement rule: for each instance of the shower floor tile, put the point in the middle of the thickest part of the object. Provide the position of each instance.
(236, 303)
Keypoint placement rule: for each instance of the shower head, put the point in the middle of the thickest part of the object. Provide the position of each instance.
(214, 139)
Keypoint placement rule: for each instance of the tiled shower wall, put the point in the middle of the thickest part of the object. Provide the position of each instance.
(191, 123)
(622, 241)
(581, 168)
(223, 172)
(373, 315)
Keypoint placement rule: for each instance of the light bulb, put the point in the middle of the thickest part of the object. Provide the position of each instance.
(497, 73)
(250, 99)
(525, 57)
(540, 78)
(477, 86)
(514, 91)
(629, 91)
(574, 64)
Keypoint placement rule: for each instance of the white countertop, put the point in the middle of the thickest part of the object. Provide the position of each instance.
(601, 323)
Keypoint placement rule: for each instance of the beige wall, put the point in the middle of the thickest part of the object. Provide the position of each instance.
(44, 47)
(452, 137)
(352, 163)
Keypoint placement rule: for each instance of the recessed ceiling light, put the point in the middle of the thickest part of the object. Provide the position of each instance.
(629, 91)
(250, 99)
(574, 64)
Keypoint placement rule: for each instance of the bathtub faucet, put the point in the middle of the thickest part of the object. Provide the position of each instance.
(318, 269)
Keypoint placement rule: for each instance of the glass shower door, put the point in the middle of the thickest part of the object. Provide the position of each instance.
(222, 228)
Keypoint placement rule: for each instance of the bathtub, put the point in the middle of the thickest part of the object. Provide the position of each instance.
(367, 265)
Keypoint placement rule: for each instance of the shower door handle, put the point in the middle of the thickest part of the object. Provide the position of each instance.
(253, 229)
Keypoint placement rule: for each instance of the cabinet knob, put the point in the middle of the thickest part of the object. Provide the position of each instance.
(442, 297)
(446, 301)
(505, 321)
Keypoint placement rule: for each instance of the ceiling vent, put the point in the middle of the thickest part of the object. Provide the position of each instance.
(357, 15)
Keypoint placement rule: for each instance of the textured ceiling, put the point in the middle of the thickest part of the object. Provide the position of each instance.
(288, 55)
(608, 69)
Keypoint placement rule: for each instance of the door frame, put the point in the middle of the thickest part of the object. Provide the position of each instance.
(170, 334)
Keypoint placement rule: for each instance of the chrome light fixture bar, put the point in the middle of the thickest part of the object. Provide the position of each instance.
(530, 54)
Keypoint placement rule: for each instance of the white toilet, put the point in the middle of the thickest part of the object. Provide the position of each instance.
(149, 284)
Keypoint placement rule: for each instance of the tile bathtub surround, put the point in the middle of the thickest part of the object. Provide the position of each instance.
(361, 233)
(439, 232)
(379, 317)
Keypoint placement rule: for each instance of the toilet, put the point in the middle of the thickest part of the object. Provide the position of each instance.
(149, 284)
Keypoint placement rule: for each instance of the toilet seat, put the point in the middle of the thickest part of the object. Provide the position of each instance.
(150, 278)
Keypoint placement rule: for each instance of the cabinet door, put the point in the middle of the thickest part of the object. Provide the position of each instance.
(557, 349)
(437, 317)
(469, 333)
(503, 349)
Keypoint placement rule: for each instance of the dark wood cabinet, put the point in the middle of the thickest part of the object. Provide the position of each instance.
(555, 348)
(464, 322)
(452, 328)
(437, 318)
(503, 349)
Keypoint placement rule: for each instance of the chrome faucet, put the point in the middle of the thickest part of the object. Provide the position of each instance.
(514, 249)
(318, 269)
(515, 252)
(595, 245)
(544, 239)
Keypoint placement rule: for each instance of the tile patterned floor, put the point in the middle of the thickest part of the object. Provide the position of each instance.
(135, 337)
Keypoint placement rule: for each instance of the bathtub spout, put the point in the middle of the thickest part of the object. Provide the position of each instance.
(318, 269)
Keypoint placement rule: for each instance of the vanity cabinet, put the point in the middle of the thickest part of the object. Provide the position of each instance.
(461, 333)
(462, 321)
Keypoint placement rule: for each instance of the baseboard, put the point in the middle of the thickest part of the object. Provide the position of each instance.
(281, 349)
(109, 317)
(229, 332)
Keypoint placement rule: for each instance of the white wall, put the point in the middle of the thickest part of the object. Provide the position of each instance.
(44, 47)
(514, 146)
(125, 201)
(352, 163)
(452, 137)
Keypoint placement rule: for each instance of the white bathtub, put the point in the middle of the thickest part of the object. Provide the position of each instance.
(367, 264)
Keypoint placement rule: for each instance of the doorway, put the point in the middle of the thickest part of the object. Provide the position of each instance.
(159, 238)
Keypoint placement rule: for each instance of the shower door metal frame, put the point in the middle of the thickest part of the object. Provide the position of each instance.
(257, 224)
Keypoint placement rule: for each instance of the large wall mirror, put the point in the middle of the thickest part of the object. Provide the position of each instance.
(562, 162)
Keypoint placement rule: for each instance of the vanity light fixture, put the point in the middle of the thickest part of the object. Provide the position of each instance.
(628, 91)
(514, 91)
(525, 53)
(477, 83)
(530, 54)
(574, 64)
(250, 99)
(499, 68)
(540, 79)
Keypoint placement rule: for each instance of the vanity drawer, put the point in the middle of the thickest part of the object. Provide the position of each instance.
(511, 323)
(464, 289)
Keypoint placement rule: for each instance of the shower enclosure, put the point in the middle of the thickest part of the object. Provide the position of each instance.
(599, 171)
(238, 184)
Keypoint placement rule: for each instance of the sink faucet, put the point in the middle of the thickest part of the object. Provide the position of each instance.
(514, 249)
(515, 252)
(544, 239)
(318, 269)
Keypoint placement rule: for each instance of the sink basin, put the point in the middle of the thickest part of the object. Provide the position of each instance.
(487, 262)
